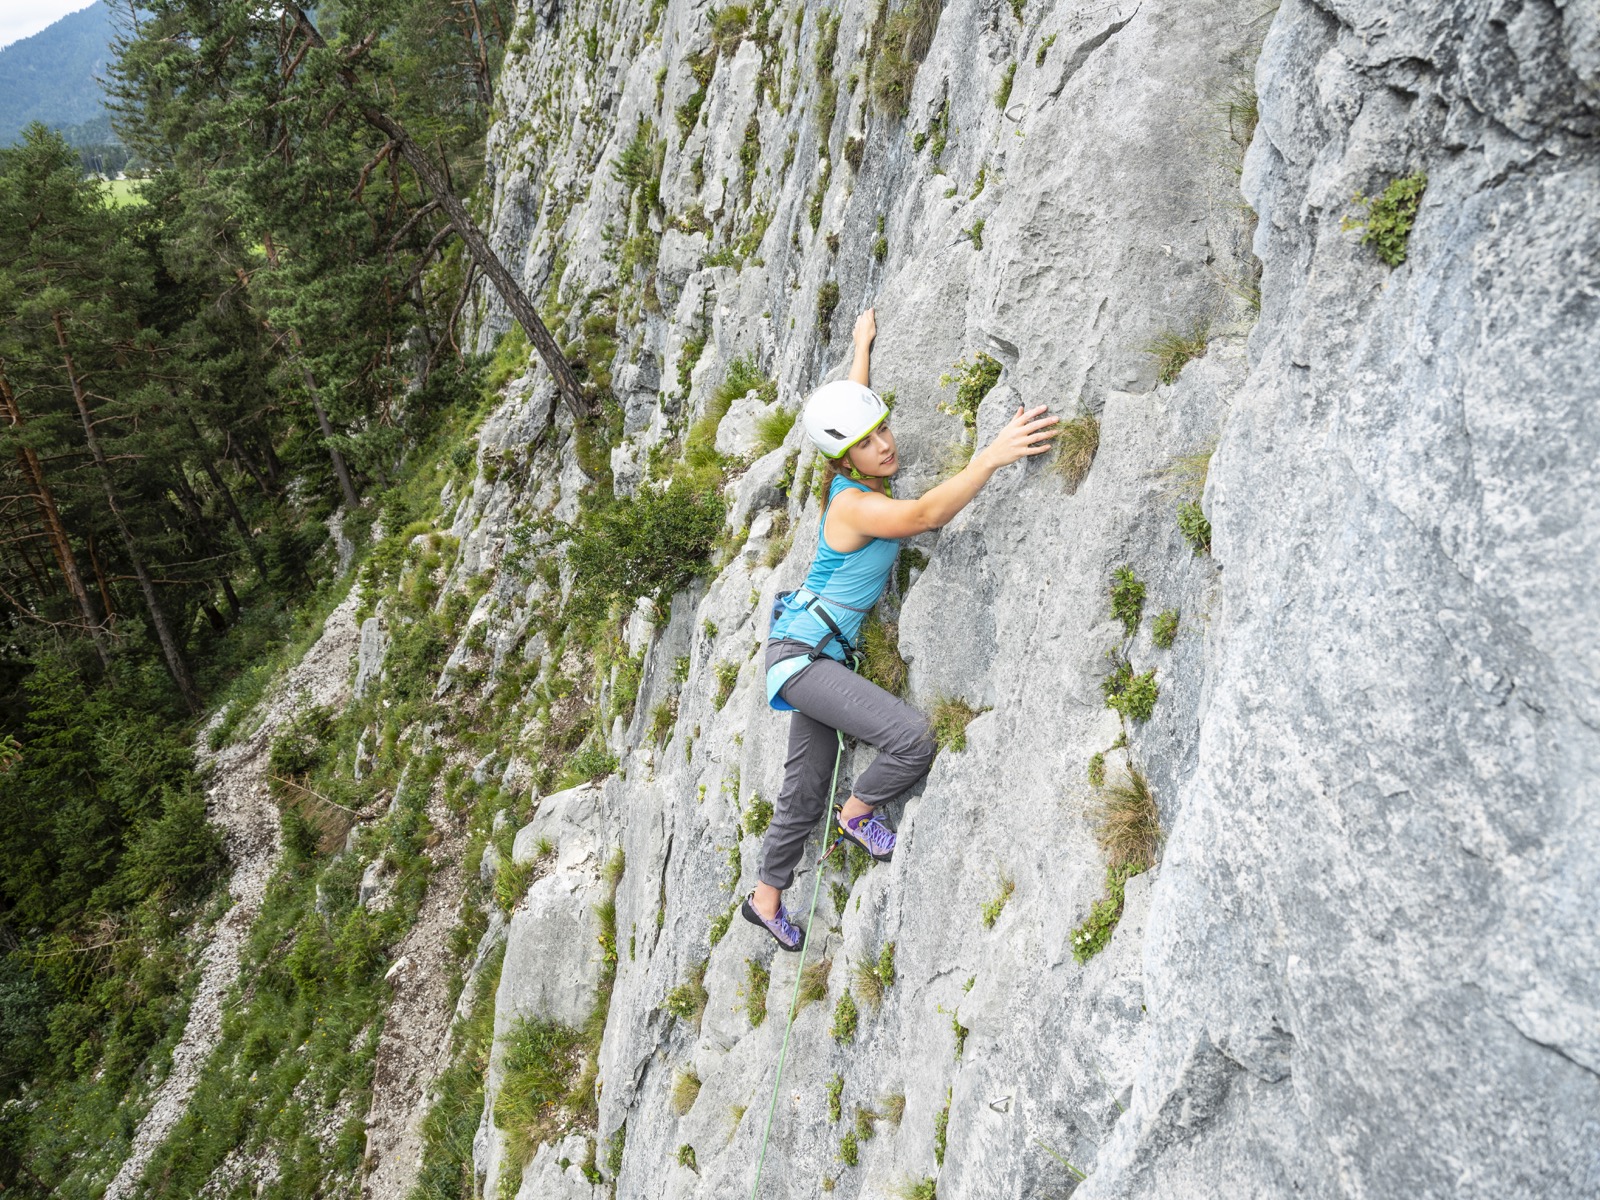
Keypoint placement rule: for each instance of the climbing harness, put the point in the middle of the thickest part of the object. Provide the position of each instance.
(794, 1000)
(805, 600)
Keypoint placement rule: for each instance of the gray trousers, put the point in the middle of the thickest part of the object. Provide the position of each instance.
(828, 696)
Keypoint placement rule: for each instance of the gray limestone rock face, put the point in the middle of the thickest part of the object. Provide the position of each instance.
(1365, 964)
(369, 655)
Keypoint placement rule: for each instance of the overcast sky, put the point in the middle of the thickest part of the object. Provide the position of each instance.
(22, 18)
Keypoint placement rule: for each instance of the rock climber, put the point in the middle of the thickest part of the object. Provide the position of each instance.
(811, 651)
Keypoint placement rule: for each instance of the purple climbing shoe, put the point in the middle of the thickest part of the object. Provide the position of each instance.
(867, 831)
(784, 931)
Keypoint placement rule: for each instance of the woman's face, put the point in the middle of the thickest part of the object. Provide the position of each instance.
(876, 455)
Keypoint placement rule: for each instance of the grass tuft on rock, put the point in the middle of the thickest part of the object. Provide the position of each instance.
(535, 1100)
(880, 647)
(1077, 442)
(907, 35)
(1126, 821)
(814, 982)
(756, 991)
(1174, 349)
(685, 1090)
(951, 716)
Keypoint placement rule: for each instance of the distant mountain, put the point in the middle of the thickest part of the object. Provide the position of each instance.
(54, 76)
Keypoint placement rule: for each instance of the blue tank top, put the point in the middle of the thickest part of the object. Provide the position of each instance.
(848, 584)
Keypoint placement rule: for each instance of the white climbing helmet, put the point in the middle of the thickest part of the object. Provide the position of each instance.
(841, 414)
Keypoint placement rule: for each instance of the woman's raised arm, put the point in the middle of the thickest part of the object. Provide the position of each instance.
(871, 514)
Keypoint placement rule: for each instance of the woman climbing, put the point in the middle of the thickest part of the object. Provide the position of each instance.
(811, 650)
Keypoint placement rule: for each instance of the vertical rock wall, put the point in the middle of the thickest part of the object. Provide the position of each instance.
(1366, 965)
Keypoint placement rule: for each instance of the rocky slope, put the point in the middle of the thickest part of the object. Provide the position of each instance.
(1367, 962)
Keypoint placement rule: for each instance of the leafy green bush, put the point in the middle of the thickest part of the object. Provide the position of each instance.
(845, 1017)
(835, 1094)
(727, 679)
(1127, 598)
(688, 1000)
(651, 544)
(1091, 937)
(757, 815)
(1194, 526)
(1164, 629)
(1386, 227)
(973, 381)
(827, 301)
(686, 1157)
(744, 376)
(993, 908)
(1134, 696)
(849, 1149)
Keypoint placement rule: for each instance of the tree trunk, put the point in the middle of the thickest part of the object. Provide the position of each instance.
(228, 502)
(158, 618)
(59, 543)
(438, 187)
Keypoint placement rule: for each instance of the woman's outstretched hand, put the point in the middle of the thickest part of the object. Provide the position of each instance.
(866, 328)
(1028, 433)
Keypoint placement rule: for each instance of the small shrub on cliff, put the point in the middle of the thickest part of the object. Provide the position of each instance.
(651, 544)
(845, 1018)
(835, 1093)
(827, 301)
(973, 381)
(1164, 629)
(1097, 768)
(1386, 227)
(757, 816)
(727, 678)
(1134, 696)
(688, 1000)
(918, 1189)
(686, 1157)
(1127, 598)
(1092, 936)
(993, 908)
(849, 1149)
(1192, 523)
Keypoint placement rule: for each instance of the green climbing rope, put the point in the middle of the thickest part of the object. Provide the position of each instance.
(794, 1001)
